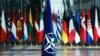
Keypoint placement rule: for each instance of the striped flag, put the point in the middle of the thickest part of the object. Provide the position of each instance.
(13, 28)
(3, 28)
(71, 29)
(58, 31)
(8, 24)
(25, 36)
(48, 47)
(83, 27)
(64, 33)
(30, 27)
(41, 29)
(36, 26)
(89, 32)
(96, 27)
(77, 37)
(54, 26)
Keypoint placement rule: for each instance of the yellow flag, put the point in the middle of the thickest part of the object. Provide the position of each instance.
(30, 18)
(64, 32)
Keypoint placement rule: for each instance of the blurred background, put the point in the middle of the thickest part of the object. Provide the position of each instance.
(22, 27)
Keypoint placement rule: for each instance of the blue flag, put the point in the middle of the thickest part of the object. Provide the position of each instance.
(77, 27)
(78, 22)
(48, 46)
(13, 36)
(89, 33)
(58, 32)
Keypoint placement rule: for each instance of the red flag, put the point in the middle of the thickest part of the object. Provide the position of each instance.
(83, 28)
(89, 31)
(19, 27)
(13, 28)
(3, 31)
(30, 27)
(64, 28)
(54, 26)
(36, 27)
(71, 29)
(41, 28)
(96, 27)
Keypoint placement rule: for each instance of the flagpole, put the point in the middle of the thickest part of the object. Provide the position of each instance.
(65, 6)
(71, 45)
(1, 5)
(77, 45)
(96, 44)
(31, 43)
(15, 43)
(81, 5)
(21, 8)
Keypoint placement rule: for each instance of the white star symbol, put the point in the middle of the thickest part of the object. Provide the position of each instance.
(49, 45)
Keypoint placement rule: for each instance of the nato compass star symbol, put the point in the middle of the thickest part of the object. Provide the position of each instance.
(49, 47)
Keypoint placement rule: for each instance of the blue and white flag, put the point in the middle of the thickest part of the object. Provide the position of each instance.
(89, 32)
(58, 32)
(25, 27)
(13, 28)
(48, 46)
(77, 24)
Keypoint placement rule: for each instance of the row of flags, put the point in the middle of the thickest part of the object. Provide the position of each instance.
(47, 28)
(67, 30)
(77, 28)
(14, 28)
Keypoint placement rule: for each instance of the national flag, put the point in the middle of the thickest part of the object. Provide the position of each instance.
(77, 24)
(58, 31)
(71, 29)
(3, 34)
(64, 33)
(96, 27)
(36, 26)
(8, 24)
(83, 27)
(41, 28)
(89, 32)
(77, 37)
(30, 27)
(48, 47)
(19, 26)
(25, 36)
(13, 28)
(54, 26)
